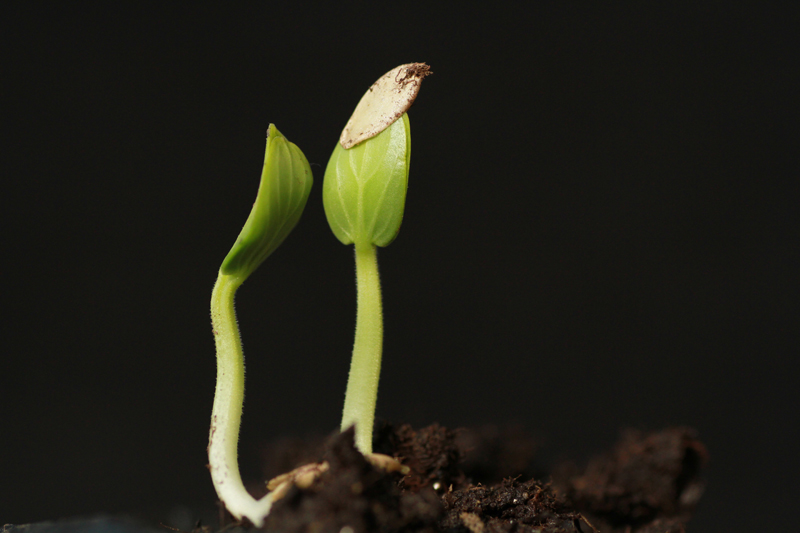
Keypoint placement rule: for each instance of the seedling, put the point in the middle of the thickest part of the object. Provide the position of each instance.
(364, 193)
(364, 198)
(285, 183)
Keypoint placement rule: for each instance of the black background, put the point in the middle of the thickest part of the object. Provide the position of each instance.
(600, 233)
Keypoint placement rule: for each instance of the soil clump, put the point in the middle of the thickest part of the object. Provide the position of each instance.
(460, 482)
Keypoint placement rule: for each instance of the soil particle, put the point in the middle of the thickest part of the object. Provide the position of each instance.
(510, 506)
(431, 453)
(646, 483)
(354, 497)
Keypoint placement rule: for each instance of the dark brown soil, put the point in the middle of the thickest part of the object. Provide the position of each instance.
(648, 483)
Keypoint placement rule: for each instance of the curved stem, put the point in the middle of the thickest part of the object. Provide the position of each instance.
(227, 411)
(365, 367)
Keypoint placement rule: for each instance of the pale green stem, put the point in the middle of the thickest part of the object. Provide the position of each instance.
(227, 411)
(365, 367)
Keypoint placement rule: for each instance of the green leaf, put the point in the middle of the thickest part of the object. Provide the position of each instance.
(364, 189)
(285, 183)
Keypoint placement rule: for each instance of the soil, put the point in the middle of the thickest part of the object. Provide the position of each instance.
(465, 481)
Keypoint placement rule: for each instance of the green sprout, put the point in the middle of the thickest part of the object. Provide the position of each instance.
(282, 194)
(364, 198)
(364, 193)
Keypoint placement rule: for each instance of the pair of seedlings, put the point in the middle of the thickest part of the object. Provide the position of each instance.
(363, 194)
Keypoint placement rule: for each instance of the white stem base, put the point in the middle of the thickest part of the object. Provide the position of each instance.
(226, 414)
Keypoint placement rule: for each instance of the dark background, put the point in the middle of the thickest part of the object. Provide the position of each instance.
(600, 233)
